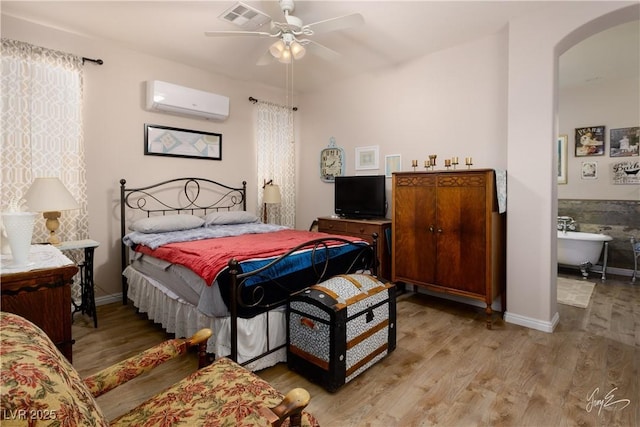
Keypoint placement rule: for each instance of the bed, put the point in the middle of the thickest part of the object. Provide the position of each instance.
(193, 257)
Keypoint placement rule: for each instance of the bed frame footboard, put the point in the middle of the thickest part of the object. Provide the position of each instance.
(362, 258)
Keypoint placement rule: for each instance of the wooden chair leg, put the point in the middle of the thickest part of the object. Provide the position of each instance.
(290, 407)
(200, 338)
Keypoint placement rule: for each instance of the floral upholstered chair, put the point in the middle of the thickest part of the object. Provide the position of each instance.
(39, 387)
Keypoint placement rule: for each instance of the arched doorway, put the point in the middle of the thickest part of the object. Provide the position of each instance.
(531, 163)
(599, 82)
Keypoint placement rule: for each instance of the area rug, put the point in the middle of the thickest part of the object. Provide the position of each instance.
(574, 292)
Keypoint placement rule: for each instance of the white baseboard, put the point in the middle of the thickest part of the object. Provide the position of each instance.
(108, 299)
(537, 324)
(529, 322)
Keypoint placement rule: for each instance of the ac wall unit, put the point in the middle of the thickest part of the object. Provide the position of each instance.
(171, 98)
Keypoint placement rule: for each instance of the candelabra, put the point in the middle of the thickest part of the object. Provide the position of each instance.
(468, 161)
(454, 162)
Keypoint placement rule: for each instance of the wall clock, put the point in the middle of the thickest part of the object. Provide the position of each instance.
(332, 162)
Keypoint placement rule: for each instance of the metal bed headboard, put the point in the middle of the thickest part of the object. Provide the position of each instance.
(176, 196)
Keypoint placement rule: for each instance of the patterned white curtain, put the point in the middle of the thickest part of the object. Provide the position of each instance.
(276, 160)
(42, 129)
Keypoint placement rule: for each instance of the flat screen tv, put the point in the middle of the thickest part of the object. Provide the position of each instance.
(360, 196)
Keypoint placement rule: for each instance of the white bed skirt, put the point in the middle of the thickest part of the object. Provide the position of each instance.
(183, 319)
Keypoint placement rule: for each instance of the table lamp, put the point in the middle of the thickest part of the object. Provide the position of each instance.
(271, 195)
(50, 196)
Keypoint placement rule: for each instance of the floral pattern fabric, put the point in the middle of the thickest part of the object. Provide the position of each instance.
(120, 373)
(39, 387)
(222, 394)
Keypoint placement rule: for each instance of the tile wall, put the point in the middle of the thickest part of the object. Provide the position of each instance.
(619, 219)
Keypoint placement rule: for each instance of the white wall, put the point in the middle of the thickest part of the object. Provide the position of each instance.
(451, 103)
(614, 104)
(114, 131)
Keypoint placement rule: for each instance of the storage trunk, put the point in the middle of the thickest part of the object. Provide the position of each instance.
(339, 328)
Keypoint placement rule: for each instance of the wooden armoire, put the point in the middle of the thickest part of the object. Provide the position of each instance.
(448, 235)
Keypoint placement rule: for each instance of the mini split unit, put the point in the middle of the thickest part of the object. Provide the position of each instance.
(171, 98)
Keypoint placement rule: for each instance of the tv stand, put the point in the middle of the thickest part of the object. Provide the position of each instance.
(363, 228)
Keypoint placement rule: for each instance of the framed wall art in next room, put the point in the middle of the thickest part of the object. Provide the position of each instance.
(590, 141)
(625, 172)
(625, 142)
(562, 159)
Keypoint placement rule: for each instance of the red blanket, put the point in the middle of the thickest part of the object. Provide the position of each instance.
(208, 257)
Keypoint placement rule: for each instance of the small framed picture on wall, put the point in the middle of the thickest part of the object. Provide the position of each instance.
(589, 170)
(367, 157)
(590, 141)
(392, 163)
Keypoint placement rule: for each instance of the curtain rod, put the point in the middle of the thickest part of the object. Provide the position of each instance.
(95, 61)
(254, 100)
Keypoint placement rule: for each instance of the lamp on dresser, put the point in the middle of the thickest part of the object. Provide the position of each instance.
(49, 196)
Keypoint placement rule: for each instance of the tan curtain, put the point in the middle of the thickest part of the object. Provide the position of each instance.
(276, 160)
(42, 129)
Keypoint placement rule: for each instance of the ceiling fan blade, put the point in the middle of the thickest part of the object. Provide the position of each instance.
(335, 24)
(238, 34)
(321, 50)
(266, 59)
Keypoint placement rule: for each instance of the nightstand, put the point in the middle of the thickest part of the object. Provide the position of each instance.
(41, 293)
(363, 228)
(88, 299)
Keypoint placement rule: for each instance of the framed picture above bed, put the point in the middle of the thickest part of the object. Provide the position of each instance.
(174, 142)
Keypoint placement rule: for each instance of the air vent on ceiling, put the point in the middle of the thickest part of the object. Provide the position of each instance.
(245, 17)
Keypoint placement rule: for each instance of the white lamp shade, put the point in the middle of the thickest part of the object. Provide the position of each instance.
(277, 48)
(49, 195)
(285, 57)
(271, 194)
(297, 50)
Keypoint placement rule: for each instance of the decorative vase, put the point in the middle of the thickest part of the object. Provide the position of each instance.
(18, 227)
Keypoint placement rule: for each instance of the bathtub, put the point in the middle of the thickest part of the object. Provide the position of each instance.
(582, 250)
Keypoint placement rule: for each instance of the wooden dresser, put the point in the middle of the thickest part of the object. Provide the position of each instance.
(43, 296)
(448, 234)
(363, 228)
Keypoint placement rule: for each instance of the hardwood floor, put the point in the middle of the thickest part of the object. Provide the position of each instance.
(447, 369)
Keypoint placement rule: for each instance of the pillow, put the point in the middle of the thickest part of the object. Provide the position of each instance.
(229, 217)
(164, 223)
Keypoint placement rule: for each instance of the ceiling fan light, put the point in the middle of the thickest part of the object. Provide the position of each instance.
(297, 50)
(285, 57)
(277, 49)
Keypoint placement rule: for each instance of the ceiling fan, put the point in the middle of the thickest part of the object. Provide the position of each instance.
(292, 35)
